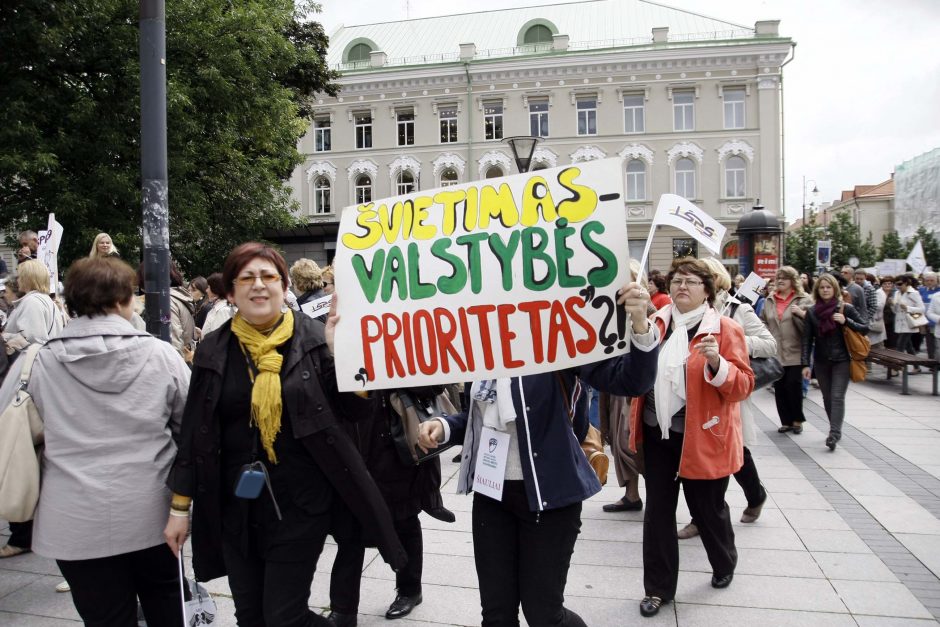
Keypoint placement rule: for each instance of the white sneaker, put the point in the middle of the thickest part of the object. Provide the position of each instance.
(63, 587)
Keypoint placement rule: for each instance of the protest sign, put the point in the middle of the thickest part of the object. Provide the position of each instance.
(494, 278)
(898, 266)
(318, 307)
(916, 259)
(48, 251)
(678, 212)
(751, 288)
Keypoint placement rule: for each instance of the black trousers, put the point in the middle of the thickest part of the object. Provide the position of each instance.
(350, 554)
(21, 534)
(105, 590)
(788, 394)
(749, 480)
(706, 499)
(523, 557)
(272, 593)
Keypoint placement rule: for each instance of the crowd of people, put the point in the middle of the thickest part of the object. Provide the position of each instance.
(236, 434)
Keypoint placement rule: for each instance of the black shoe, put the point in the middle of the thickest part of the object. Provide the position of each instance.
(441, 513)
(457, 458)
(785, 428)
(722, 582)
(623, 505)
(402, 606)
(340, 619)
(798, 428)
(831, 443)
(649, 606)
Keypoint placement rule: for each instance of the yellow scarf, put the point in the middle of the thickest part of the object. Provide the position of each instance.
(266, 403)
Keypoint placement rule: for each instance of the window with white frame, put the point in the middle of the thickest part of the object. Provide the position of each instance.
(449, 177)
(448, 117)
(363, 189)
(734, 177)
(683, 109)
(734, 107)
(405, 184)
(363, 123)
(634, 118)
(587, 115)
(538, 118)
(493, 120)
(321, 195)
(406, 128)
(321, 135)
(494, 171)
(685, 178)
(636, 180)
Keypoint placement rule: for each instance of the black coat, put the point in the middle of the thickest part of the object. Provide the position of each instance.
(829, 347)
(312, 404)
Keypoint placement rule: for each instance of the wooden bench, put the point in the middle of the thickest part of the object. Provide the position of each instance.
(896, 360)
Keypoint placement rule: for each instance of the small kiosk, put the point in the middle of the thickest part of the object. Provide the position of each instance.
(760, 243)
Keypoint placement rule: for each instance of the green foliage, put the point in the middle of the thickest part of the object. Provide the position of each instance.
(891, 247)
(801, 247)
(240, 77)
(868, 252)
(931, 246)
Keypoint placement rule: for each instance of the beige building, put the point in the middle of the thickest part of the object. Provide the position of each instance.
(692, 104)
(871, 208)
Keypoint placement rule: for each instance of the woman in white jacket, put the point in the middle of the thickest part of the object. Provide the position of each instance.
(907, 304)
(35, 316)
(760, 343)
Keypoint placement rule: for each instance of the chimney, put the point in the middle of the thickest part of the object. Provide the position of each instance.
(467, 51)
(377, 58)
(560, 42)
(660, 34)
(767, 28)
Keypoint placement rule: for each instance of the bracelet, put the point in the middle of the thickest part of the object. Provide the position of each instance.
(178, 514)
(179, 507)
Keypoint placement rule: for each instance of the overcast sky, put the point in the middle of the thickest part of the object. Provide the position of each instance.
(862, 94)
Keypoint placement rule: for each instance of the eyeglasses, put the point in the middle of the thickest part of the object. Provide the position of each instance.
(328, 283)
(689, 282)
(249, 279)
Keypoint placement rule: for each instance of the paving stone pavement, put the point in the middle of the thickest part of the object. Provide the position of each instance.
(847, 538)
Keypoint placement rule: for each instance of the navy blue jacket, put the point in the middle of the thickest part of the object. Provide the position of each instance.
(555, 469)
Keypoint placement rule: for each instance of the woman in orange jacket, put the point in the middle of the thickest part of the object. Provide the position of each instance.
(690, 429)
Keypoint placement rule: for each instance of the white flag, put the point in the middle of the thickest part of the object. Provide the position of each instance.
(48, 251)
(916, 259)
(678, 212)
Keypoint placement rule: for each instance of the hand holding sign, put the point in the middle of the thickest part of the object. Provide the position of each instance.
(635, 300)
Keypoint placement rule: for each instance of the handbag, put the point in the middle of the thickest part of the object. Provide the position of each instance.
(412, 407)
(858, 347)
(916, 320)
(21, 440)
(766, 371)
(199, 607)
(593, 444)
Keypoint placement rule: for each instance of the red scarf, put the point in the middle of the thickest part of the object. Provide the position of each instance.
(824, 310)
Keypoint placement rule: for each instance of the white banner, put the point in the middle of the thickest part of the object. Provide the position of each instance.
(317, 308)
(48, 251)
(916, 259)
(683, 215)
(493, 278)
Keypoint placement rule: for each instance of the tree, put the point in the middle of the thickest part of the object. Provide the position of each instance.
(847, 242)
(891, 247)
(239, 76)
(868, 252)
(801, 247)
(930, 244)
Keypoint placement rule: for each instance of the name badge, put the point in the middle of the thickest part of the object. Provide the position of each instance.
(490, 471)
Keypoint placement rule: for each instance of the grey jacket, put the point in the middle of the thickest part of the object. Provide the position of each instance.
(788, 330)
(111, 398)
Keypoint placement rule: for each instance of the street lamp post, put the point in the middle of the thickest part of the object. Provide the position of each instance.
(523, 147)
(815, 192)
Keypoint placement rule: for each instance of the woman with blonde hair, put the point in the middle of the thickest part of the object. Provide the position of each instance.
(103, 247)
(306, 278)
(328, 281)
(783, 315)
(35, 316)
(823, 340)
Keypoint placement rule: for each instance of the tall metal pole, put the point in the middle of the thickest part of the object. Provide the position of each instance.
(153, 168)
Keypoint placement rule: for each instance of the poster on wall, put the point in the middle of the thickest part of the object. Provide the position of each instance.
(494, 278)
(766, 255)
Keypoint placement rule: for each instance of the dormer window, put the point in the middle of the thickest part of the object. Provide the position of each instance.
(359, 52)
(538, 34)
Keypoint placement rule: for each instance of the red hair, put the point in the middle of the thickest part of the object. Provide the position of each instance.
(242, 255)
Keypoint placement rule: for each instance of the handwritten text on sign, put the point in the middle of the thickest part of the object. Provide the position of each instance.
(492, 278)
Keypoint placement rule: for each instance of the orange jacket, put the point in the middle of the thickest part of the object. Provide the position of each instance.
(713, 446)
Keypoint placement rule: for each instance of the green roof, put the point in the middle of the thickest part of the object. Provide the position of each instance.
(591, 24)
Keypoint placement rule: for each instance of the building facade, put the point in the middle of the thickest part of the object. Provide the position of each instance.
(691, 104)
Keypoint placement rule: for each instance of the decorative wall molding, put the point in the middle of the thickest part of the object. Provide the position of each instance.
(448, 160)
(491, 158)
(633, 89)
(546, 156)
(637, 151)
(321, 168)
(735, 147)
(684, 149)
(538, 95)
(363, 166)
(597, 92)
(587, 153)
(404, 163)
(767, 83)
